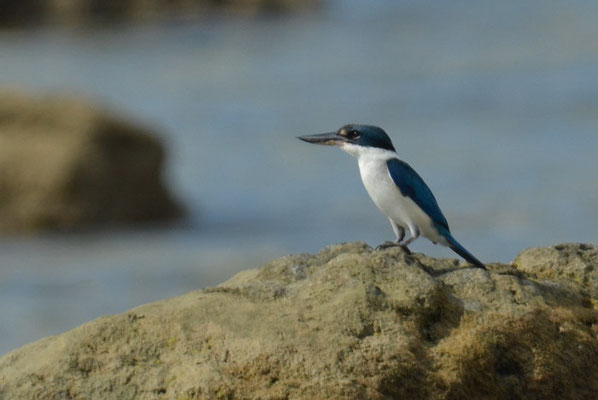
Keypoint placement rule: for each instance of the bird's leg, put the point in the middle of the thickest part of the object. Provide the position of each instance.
(414, 230)
(400, 232)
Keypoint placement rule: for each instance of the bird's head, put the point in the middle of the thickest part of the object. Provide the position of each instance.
(353, 137)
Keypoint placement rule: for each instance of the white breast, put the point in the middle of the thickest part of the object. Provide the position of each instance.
(377, 181)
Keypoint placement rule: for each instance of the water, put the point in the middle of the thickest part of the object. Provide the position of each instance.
(494, 103)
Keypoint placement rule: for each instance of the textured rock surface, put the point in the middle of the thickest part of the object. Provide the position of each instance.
(346, 323)
(81, 12)
(64, 163)
(564, 262)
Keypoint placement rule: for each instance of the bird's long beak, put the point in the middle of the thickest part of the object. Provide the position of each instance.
(328, 139)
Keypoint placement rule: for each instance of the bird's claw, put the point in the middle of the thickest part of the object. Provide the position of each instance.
(405, 248)
(387, 244)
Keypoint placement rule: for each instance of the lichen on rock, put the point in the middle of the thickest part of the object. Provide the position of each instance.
(346, 323)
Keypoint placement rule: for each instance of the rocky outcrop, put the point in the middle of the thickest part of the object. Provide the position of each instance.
(65, 163)
(346, 323)
(83, 12)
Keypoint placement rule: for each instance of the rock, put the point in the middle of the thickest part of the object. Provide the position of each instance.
(346, 323)
(569, 262)
(65, 163)
(83, 12)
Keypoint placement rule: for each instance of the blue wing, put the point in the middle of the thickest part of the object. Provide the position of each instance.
(413, 186)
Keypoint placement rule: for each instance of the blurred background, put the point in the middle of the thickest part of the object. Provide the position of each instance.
(495, 104)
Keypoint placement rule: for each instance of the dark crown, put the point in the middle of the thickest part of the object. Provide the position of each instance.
(367, 135)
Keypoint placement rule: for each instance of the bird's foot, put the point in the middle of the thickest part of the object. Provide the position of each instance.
(386, 245)
(405, 248)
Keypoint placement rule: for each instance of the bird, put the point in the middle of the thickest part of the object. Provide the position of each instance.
(395, 188)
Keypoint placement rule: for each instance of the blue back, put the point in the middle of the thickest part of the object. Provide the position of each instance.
(413, 186)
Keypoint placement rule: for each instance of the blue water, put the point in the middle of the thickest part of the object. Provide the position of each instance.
(495, 104)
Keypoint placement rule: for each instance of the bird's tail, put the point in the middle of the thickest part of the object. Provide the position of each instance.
(457, 248)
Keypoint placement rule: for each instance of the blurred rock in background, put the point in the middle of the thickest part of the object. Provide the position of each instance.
(81, 12)
(66, 163)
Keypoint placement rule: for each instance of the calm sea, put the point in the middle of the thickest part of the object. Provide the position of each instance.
(494, 103)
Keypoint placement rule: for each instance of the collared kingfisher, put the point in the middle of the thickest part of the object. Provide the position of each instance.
(396, 189)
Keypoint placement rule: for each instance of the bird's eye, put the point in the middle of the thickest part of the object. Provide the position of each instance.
(353, 135)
